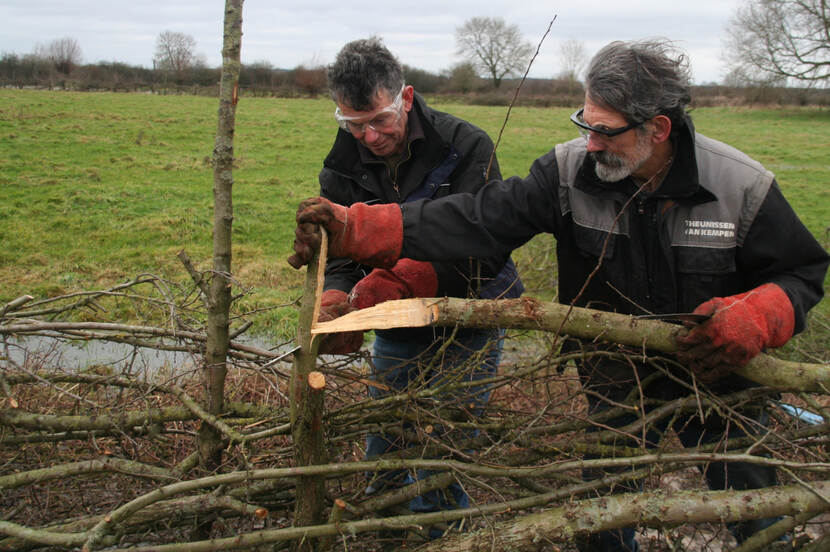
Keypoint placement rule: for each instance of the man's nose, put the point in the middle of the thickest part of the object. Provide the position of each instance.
(595, 143)
(370, 135)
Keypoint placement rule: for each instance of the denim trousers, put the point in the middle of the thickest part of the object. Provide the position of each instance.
(406, 366)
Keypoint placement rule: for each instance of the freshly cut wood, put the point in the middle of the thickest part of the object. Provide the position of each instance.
(403, 313)
(316, 380)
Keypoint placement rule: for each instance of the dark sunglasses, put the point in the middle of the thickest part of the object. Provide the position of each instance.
(585, 129)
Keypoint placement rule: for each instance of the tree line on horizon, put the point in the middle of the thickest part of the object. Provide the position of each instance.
(771, 46)
(178, 67)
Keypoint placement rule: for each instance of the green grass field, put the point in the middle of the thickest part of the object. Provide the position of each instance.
(99, 187)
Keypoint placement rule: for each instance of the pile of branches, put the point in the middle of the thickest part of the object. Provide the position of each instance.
(106, 456)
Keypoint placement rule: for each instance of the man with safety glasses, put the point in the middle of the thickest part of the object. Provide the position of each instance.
(649, 217)
(392, 149)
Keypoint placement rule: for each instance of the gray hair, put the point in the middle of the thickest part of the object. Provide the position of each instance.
(361, 69)
(641, 79)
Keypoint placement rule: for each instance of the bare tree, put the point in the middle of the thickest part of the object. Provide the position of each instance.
(175, 53)
(771, 40)
(574, 56)
(462, 77)
(493, 46)
(64, 54)
(310, 78)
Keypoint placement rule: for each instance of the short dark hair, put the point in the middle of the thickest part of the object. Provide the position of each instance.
(641, 79)
(361, 69)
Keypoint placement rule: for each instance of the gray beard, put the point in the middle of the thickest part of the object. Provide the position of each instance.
(613, 168)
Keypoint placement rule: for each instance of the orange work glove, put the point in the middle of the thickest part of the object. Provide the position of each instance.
(369, 234)
(335, 303)
(740, 327)
(405, 280)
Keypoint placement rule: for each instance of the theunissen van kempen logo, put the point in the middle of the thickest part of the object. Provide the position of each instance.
(712, 228)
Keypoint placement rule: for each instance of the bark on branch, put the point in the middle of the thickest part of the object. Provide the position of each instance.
(307, 405)
(652, 509)
(529, 314)
(115, 465)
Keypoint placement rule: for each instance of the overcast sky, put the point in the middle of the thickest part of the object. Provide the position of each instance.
(421, 32)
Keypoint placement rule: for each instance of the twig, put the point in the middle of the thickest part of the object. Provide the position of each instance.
(197, 277)
(513, 101)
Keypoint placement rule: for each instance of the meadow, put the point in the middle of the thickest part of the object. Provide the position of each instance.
(96, 188)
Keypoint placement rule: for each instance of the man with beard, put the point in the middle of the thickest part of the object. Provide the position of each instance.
(649, 217)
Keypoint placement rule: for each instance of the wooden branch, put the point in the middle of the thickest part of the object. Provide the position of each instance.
(651, 509)
(39, 422)
(41, 536)
(87, 298)
(197, 277)
(523, 534)
(126, 333)
(21, 327)
(763, 538)
(15, 304)
(207, 417)
(529, 314)
(115, 465)
(169, 513)
(121, 514)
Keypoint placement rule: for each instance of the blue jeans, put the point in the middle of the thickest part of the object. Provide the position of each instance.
(403, 365)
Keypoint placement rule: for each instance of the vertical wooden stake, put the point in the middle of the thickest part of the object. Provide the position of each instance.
(307, 406)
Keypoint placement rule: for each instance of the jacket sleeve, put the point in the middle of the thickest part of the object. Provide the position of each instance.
(460, 276)
(780, 249)
(501, 216)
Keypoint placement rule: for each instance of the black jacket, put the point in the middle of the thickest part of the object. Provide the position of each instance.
(451, 157)
(717, 226)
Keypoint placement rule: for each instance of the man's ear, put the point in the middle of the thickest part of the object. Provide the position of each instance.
(408, 97)
(662, 129)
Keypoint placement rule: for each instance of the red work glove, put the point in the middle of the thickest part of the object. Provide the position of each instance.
(406, 279)
(335, 303)
(369, 234)
(739, 328)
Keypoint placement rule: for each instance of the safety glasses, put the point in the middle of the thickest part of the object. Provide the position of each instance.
(585, 129)
(382, 119)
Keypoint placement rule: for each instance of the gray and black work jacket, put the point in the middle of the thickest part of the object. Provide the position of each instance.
(718, 225)
(447, 156)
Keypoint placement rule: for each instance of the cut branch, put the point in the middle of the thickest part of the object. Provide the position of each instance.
(307, 403)
(529, 314)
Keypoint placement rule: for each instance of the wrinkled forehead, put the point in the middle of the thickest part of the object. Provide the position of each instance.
(596, 114)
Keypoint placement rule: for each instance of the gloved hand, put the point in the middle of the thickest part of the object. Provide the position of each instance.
(369, 234)
(405, 280)
(739, 328)
(335, 303)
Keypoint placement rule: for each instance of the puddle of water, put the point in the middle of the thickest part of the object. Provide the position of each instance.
(46, 353)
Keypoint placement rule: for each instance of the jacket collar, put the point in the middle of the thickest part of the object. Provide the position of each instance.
(681, 184)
